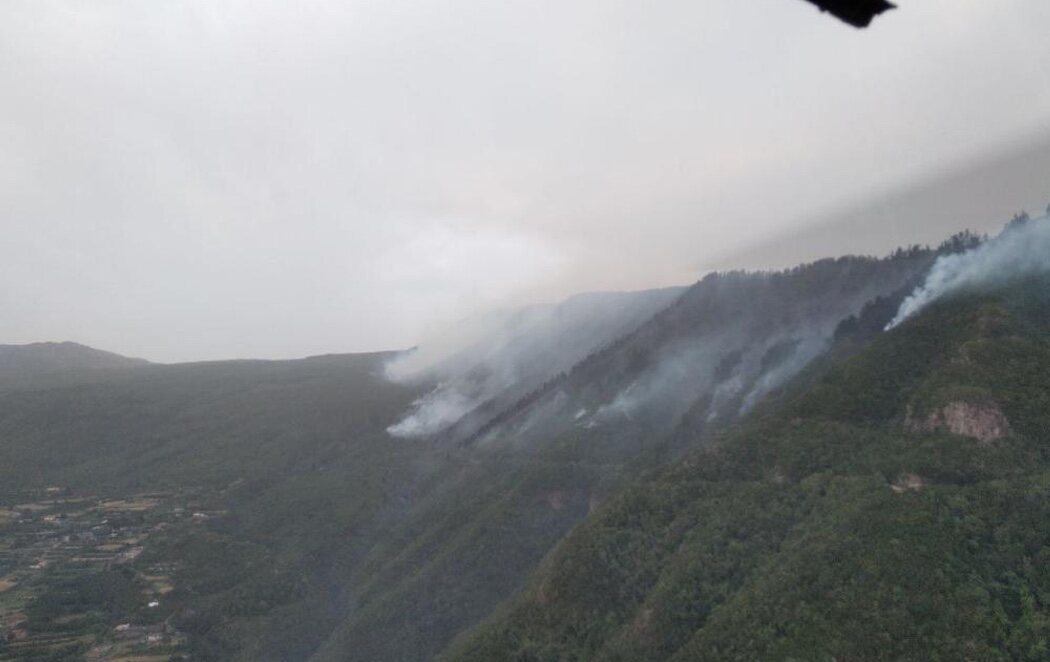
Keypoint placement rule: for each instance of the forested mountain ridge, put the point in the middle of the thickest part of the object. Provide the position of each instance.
(540, 468)
(892, 509)
(712, 354)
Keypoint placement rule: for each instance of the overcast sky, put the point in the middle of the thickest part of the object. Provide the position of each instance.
(197, 179)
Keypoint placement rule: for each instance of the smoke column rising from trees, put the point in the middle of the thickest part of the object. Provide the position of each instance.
(1022, 248)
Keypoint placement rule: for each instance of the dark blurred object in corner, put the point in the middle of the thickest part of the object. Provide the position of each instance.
(858, 13)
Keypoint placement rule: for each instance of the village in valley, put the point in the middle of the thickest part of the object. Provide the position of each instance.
(75, 583)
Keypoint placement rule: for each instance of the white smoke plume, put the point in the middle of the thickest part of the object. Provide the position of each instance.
(507, 353)
(1022, 248)
(435, 411)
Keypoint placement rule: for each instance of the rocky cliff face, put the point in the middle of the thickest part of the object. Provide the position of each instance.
(983, 421)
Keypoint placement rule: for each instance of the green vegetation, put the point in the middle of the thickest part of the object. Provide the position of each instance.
(206, 424)
(90, 596)
(823, 528)
(286, 461)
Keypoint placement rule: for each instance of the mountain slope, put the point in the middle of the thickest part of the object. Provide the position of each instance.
(191, 424)
(847, 521)
(294, 453)
(492, 362)
(723, 345)
(24, 364)
(538, 469)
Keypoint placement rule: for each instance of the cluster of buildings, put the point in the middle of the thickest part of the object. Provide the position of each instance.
(53, 534)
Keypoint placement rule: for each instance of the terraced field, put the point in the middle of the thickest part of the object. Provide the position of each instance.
(72, 582)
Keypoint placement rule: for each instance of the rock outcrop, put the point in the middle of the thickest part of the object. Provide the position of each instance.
(983, 421)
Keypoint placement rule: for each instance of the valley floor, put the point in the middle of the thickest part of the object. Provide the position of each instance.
(76, 581)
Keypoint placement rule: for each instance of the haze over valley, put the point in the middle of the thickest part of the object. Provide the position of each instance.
(579, 331)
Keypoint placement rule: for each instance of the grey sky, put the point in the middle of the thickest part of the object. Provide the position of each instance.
(209, 178)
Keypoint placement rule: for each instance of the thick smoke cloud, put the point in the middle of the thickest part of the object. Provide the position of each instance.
(1022, 248)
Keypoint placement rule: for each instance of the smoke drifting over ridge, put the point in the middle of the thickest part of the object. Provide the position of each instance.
(505, 354)
(653, 359)
(1023, 247)
(708, 358)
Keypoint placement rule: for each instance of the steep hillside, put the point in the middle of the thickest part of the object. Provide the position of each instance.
(539, 468)
(893, 509)
(708, 358)
(489, 363)
(482, 515)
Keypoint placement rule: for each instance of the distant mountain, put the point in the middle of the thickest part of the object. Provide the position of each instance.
(42, 359)
(191, 423)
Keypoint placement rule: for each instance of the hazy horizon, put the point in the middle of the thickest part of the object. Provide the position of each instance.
(196, 181)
